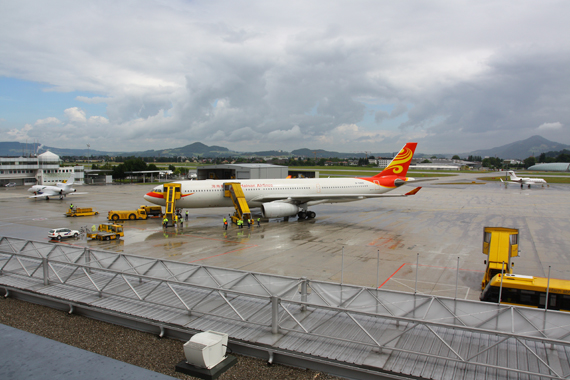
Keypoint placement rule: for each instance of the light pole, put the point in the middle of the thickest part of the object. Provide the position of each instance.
(88, 146)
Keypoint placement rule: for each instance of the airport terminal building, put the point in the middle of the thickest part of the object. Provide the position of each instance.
(44, 169)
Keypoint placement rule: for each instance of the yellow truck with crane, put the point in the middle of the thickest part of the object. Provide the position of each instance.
(501, 245)
(107, 231)
(143, 212)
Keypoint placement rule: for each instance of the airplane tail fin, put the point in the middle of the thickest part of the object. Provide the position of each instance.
(400, 164)
(512, 175)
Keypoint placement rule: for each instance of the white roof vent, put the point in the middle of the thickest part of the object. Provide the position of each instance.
(207, 349)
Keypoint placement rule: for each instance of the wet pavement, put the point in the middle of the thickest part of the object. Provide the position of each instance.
(435, 227)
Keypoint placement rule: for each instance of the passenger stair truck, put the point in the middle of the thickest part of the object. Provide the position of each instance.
(234, 190)
(500, 244)
(107, 231)
(172, 191)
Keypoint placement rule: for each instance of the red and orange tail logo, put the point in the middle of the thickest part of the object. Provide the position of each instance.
(400, 164)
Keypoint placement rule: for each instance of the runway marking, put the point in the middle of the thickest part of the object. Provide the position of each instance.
(384, 242)
(221, 254)
(203, 238)
(429, 266)
(401, 266)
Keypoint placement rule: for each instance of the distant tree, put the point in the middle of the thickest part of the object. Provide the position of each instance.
(119, 172)
(426, 161)
(455, 157)
(492, 162)
(542, 157)
(528, 162)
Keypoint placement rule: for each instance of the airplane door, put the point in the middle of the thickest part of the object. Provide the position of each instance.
(318, 188)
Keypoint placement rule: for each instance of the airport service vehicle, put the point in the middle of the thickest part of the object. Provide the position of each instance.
(516, 289)
(524, 181)
(10, 184)
(59, 190)
(81, 211)
(500, 244)
(143, 212)
(107, 231)
(62, 233)
(282, 198)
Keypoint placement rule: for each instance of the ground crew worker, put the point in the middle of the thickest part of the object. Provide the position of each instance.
(93, 228)
(186, 215)
(240, 223)
(248, 225)
(175, 220)
(165, 222)
(225, 223)
(258, 219)
(71, 207)
(181, 222)
(224, 220)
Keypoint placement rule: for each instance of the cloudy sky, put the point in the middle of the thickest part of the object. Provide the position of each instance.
(349, 76)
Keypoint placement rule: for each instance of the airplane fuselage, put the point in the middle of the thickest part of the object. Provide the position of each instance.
(289, 197)
(210, 193)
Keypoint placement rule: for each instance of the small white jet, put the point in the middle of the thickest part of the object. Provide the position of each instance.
(60, 190)
(524, 181)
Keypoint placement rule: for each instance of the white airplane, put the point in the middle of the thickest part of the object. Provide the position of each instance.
(60, 189)
(523, 181)
(281, 198)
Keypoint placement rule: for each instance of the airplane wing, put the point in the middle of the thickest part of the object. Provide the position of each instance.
(324, 198)
(517, 182)
(421, 179)
(47, 193)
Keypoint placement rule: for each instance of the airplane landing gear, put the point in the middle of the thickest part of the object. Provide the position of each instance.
(302, 215)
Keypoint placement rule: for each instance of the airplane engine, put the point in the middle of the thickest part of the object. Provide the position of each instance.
(279, 210)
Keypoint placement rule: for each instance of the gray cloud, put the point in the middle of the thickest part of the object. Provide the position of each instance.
(269, 75)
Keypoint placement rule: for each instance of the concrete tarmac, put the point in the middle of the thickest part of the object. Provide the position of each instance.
(441, 228)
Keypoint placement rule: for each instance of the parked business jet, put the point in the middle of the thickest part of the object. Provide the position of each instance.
(524, 181)
(60, 189)
(280, 198)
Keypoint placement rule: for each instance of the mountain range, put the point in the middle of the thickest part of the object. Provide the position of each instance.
(533, 146)
(517, 150)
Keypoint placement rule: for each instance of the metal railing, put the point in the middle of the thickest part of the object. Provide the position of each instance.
(311, 317)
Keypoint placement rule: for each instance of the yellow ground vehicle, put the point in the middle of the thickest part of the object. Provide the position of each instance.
(143, 212)
(84, 211)
(500, 244)
(528, 291)
(107, 231)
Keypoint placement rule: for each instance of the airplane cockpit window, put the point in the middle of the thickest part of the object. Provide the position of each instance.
(158, 189)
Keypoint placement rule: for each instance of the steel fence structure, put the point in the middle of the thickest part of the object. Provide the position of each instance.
(365, 330)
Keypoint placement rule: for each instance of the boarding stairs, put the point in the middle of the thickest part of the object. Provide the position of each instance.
(233, 190)
(172, 191)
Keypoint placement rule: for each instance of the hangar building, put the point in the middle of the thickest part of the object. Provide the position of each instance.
(242, 171)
